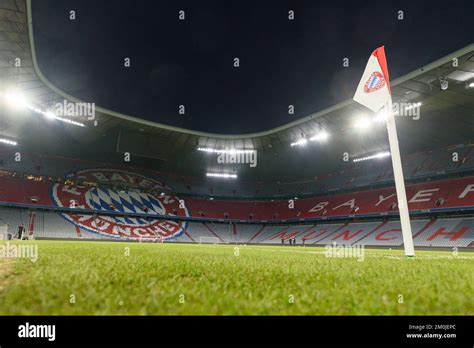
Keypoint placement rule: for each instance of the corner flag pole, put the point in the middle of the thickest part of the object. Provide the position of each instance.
(374, 93)
(399, 181)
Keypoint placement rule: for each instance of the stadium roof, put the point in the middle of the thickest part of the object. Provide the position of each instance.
(446, 119)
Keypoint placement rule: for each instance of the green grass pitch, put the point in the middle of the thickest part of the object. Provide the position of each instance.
(110, 278)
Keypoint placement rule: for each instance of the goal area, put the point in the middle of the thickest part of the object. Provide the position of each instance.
(156, 239)
(209, 240)
(3, 231)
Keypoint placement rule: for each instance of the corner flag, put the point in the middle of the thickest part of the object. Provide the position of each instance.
(374, 87)
(374, 93)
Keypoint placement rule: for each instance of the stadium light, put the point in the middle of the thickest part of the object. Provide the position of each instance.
(321, 136)
(301, 142)
(381, 116)
(377, 155)
(52, 116)
(222, 175)
(471, 85)
(15, 99)
(8, 142)
(66, 120)
(362, 123)
(229, 151)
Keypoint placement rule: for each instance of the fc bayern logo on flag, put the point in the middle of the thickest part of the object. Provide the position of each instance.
(374, 83)
(107, 199)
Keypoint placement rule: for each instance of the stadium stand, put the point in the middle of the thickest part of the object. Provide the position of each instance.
(428, 196)
(348, 176)
(57, 191)
(129, 204)
(445, 232)
(114, 203)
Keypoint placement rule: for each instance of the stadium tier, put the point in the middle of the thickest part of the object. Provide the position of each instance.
(348, 176)
(445, 232)
(131, 204)
(431, 196)
(88, 206)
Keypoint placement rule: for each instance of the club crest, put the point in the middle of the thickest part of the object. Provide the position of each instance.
(374, 83)
(109, 199)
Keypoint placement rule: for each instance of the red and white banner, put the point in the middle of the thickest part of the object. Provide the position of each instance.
(453, 193)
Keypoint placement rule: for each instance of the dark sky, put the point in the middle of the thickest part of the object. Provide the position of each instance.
(282, 62)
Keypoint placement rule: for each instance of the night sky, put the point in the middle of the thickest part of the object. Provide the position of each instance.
(190, 62)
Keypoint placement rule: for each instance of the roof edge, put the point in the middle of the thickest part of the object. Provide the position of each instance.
(138, 120)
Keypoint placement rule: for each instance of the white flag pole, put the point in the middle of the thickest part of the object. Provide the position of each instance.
(399, 180)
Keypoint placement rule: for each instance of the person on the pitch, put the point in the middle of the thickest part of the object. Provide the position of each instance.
(21, 231)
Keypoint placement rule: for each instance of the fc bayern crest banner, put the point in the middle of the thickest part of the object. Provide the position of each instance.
(374, 87)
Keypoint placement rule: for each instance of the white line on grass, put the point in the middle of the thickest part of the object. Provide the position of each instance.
(374, 255)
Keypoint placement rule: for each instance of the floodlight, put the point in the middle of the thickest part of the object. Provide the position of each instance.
(362, 123)
(381, 116)
(229, 151)
(50, 115)
(15, 99)
(321, 136)
(222, 175)
(374, 156)
(300, 142)
(8, 142)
